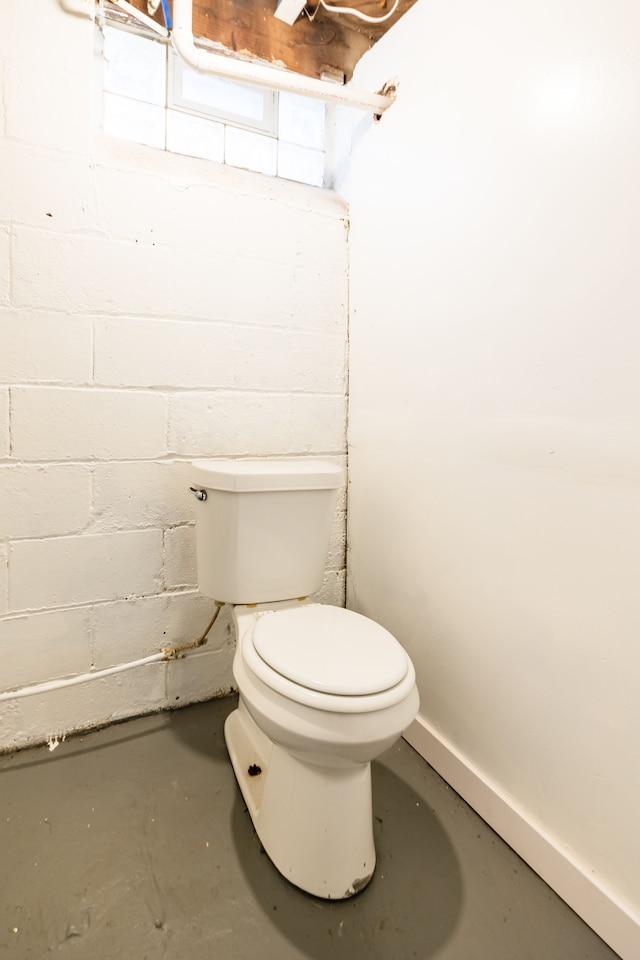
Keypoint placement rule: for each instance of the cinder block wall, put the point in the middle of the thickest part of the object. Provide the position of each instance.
(153, 309)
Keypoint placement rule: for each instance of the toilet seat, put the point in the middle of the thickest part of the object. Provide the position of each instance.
(328, 658)
(330, 649)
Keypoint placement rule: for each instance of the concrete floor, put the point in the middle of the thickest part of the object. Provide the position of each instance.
(132, 842)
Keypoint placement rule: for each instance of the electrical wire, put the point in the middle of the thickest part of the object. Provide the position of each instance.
(359, 13)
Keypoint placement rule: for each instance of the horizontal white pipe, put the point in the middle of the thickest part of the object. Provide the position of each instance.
(80, 678)
(262, 75)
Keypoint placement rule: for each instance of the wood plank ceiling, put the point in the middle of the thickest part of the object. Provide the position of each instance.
(319, 43)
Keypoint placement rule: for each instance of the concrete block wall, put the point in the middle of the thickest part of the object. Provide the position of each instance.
(153, 309)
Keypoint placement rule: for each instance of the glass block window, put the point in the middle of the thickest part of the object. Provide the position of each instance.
(151, 97)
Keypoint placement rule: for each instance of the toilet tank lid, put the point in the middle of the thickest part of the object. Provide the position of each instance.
(330, 649)
(255, 475)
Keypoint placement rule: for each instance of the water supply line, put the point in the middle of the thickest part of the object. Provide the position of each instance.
(263, 75)
(176, 653)
(173, 653)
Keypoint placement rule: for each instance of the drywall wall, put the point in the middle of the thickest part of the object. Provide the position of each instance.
(494, 418)
(153, 309)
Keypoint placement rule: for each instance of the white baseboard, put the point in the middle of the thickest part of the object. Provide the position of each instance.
(611, 919)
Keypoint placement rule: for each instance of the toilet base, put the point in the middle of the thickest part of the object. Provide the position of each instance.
(315, 823)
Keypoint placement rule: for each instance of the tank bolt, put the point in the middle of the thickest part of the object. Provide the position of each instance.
(198, 494)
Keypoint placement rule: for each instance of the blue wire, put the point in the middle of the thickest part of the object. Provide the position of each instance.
(166, 14)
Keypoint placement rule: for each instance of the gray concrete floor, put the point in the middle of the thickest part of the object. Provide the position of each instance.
(132, 842)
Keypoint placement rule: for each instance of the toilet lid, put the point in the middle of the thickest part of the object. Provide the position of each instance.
(330, 649)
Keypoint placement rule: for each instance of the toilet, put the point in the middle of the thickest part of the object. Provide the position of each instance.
(323, 691)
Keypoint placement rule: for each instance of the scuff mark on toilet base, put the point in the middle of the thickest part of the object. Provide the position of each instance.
(356, 886)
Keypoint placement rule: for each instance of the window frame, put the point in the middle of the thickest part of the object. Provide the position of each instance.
(176, 100)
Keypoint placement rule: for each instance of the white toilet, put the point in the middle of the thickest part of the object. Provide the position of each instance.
(322, 690)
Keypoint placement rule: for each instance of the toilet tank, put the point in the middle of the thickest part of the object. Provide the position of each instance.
(263, 529)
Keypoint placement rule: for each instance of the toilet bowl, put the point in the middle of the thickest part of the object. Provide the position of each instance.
(302, 748)
(322, 690)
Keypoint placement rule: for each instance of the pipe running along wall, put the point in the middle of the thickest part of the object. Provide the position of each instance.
(172, 653)
(245, 71)
(262, 75)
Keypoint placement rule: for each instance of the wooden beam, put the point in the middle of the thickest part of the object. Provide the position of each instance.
(248, 28)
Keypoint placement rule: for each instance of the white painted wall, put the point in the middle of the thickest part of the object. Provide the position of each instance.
(494, 511)
(153, 309)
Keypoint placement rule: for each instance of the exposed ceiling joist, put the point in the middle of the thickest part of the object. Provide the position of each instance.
(319, 44)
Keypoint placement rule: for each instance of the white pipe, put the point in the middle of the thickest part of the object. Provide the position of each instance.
(80, 8)
(173, 653)
(262, 75)
(80, 678)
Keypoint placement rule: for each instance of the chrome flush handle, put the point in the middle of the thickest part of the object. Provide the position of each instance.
(198, 493)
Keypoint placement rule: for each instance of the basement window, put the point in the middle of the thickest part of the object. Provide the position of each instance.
(151, 97)
(252, 108)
